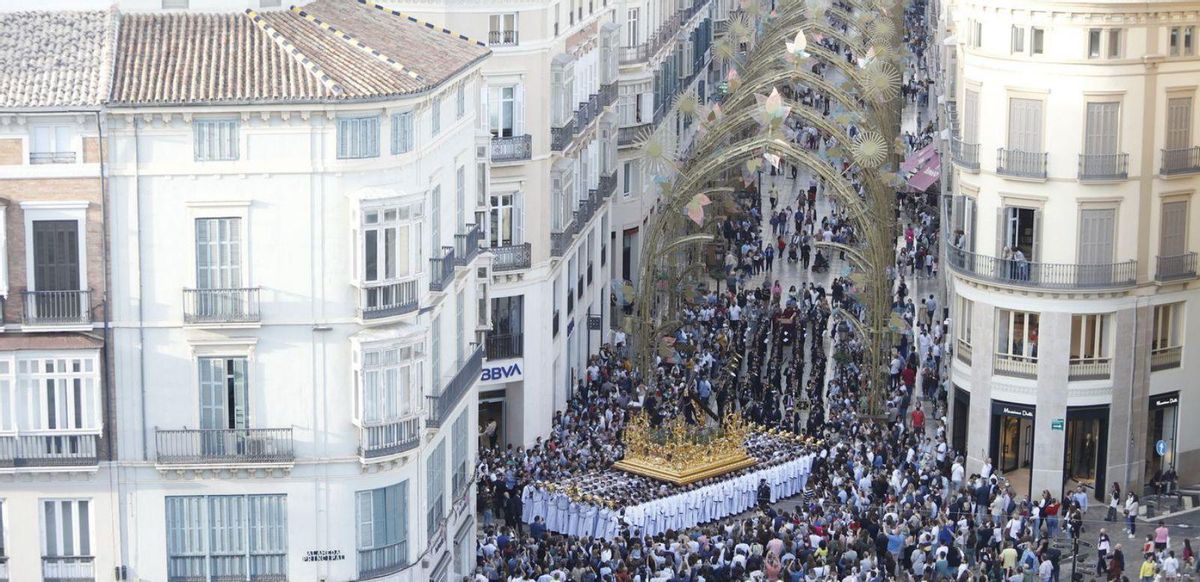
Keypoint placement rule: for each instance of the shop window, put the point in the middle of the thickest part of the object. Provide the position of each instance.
(1090, 359)
(1166, 345)
(1016, 343)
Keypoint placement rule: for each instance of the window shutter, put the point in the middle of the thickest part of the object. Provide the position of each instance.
(1037, 237)
(519, 109)
(366, 521)
(1173, 237)
(969, 223)
(970, 128)
(1001, 232)
(1101, 134)
(1179, 123)
(240, 393)
(518, 217)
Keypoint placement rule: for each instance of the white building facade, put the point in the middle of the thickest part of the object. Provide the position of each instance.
(1072, 231)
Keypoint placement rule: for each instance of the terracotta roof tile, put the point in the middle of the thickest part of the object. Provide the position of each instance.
(54, 59)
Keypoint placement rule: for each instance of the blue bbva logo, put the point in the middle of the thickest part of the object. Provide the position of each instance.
(500, 372)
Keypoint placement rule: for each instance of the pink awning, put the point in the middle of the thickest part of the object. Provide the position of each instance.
(918, 158)
(926, 176)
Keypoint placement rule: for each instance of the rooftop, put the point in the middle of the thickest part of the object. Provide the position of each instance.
(55, 59)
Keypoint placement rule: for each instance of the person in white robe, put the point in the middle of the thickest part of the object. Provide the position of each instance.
(527, 495)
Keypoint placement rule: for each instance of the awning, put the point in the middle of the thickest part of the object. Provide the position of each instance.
(927, 175)
(950, 40)
(918, 158)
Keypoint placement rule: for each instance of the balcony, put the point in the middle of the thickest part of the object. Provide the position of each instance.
(68, 569)
(224, 446)
(236, 305)
(513, 148)
(1043, 275)
(466, 245)
(381, 561)
(1016, 366)
(38, 158)
(966, 155)
(963, 351)
(664, 35)
(510, 257)
(1104, 167)
(1165, 358)
(1175, 268)
(561, 241)
(1180, 161)
(627, 136)
(1089, 369)
(387, 438)
(608, 94)
(48, 451)
(608, 184)
(503, 38)
(1019, 164)
(53, 308)
(441, 405)
(560, 137)
(381, 300)
(501, 346)
(441, 270)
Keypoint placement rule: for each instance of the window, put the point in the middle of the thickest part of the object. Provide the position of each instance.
(435, 217)
(962, 326)
(1017, 335)
(1182, 41)
(506, 338)
(1021, 228)
(505, 217)
(1089, 338)
(1172, 243)
(51, 144)
(562, 189)
(976, 33)
(1114, 43)
(225, 537)
(460, 196)
(382, 530)
(1168, 328)
(56, 270)
(218, 253)
(224, 404)
(1093, 50)
(460, 102)
(391, 242)
(435, 122)
(1179, 123)
(460, 327)
(633, 35)
(358, 137)
(391, 382)
(215, 139)
(66, 537)
(435, 352)
(1101, 134)
(503, 110)
(402, 132)
(503, 29)
(459, 450)
(1018, 39)
(1037, 41)
(1025, 125)
(626, 178)
(55, 391)
(435, 497)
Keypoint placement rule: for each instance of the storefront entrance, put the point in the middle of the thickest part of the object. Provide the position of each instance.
(1012, 442)
(1163, 425)
(962, 413)
(1086, 451)
(491, 409)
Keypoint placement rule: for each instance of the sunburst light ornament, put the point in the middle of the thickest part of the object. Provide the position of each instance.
(881, 81)
(657, 155)
(869, 149)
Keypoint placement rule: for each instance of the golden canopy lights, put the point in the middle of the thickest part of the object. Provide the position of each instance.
(682, 454)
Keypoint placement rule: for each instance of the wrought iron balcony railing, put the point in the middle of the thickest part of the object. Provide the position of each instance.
(511, 257)
(502, 346)
(57, 307)
(560, 137)
(441, 271)
(503, 38)
(38, 158)
(381, 561)
(1021, 164)
(1175, 267)
(68, 569)
(239, 305)
(391, 437)
(629, 135)
(966, 155)
(1043, 275)
(608, 184)
(49, 450)
(1180, 161)
(388, 299)
(219, 446)
(1103, 166)
(512, 148)
(441, 405)
(466, 245)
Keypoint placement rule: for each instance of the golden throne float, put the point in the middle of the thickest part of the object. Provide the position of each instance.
(683, 454)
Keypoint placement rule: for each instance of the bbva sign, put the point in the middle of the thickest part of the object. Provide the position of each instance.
(501, 371)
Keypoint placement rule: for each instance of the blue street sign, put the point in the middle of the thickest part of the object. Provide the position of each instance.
(1161, 448)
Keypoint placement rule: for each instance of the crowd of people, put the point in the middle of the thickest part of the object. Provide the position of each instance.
(880, 500)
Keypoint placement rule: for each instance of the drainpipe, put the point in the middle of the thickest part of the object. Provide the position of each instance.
(141, 281)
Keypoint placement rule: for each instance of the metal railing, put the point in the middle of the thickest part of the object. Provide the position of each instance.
(963, 351)
(388, 299)
(209, 446)
(560, 137)
(608, 94)
(511, 148)
(561, 241)
(661, 37)
(57, 307)
(966, 155)
(68, 569)
(1103, 166)
(630, 135)
(49, 450)
(1021, 164)
(511, 257)
(239, 305)
(502, 346)
(441, 405)
(608, 184)
(441, 270)
(503, 38)
(1166, 358)
(381, 561)
(1180, 161)
(466, 245)
(1020, 367)
(1089, 369)
(1043, 275)
(38, 158)
(385, 438)
(1175, 267)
